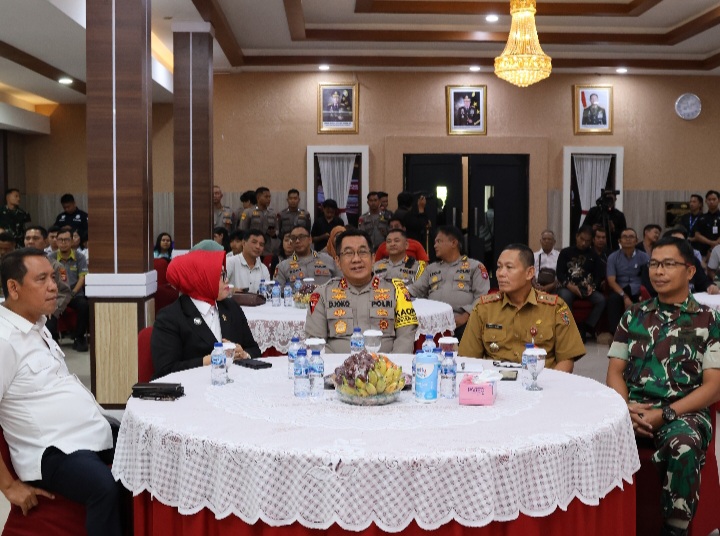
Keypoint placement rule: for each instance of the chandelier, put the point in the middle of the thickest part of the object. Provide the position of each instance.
(523, 62)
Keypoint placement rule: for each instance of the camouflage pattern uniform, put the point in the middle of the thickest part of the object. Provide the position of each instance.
(13, 221)
(407, 269)
(667, 347)
(383, 304)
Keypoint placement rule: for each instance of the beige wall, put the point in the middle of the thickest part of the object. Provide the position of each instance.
(264, 122)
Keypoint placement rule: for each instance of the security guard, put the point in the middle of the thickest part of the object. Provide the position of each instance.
(374, 222)
(263, 218)
(292, 215)
(455, 279)
(359, 299)
(223, 216)
(665, 362)
(501, 324)
(398, 265)
(305, 262)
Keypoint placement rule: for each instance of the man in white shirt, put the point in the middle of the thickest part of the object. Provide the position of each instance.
(546, 257)
(59, 441)
(246, 269)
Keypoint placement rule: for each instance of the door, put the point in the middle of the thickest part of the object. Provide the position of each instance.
(498, 196)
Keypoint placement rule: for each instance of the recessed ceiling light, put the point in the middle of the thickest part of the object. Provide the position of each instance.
(474, 69)
(621, 70)
(66, 81)
(492, 18)
(324, 67)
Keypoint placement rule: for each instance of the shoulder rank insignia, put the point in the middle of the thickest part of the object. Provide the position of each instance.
(547, 299)
(343, 283)
(489, 298)
(375, 282)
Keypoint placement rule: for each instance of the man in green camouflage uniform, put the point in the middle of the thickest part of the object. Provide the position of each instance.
(665, 362)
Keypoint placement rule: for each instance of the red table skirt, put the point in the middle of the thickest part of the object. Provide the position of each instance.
(614, 515)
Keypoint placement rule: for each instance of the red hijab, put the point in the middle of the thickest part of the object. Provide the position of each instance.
(197, 274)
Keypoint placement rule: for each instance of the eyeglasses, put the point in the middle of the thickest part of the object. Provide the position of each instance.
(297, 238)
(223, 274)
(666, 264)
(64, 239)
(627, 236)
(350, 254)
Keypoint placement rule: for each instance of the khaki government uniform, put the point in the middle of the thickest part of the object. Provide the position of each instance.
(407, 269)
(288, 219)
(224, 217)
(319, 266)
(458, 283)
(375, 225)
(382, 304)
(256, 218)
(498, 330)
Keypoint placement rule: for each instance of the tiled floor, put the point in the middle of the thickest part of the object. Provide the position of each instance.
(593, 365)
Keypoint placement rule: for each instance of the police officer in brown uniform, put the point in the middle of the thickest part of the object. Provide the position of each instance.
(398, 265)
(292, 215)
(374, 222)
(360, 299)
(263, 218)
(454, 279)
(305, 262)
(501, 324)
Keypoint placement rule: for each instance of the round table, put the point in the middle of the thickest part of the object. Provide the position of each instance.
(273, 327)
(252, 452)
(711, 300)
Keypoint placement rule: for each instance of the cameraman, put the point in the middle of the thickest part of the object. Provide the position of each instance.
(606, 215)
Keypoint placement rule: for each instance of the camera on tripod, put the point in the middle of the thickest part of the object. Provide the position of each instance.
(606, 201)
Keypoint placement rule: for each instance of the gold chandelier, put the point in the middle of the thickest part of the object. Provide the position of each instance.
(523, 62)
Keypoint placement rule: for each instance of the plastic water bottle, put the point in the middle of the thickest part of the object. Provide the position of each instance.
(525, 378)
(218, 368)
(297, 286)
(301, 383)
(448, 376)
(288, 295)
(262, 289)
(429, 344)
(426, 377)
(357, 341)
(268, 290)
(317, 374)
(414, 367)
(276, 295)
(292, 354)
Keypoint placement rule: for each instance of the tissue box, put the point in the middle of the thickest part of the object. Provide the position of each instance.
(477, 394)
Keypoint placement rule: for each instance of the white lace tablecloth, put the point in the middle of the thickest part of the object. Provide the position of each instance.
(275, 326)
(711, 300)
(252, 450)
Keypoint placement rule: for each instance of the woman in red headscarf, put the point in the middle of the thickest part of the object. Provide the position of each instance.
(185, 332)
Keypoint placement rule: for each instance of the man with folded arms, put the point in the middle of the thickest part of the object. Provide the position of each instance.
(501, 324)
(665, 362)
(59, 441)
(399, 264)
(305, 262)
(246, 269)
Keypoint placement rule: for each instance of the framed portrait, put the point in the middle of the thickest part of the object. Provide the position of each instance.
(338, 108)
(466, 110)
(593, 109)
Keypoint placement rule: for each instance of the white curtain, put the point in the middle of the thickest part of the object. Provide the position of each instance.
(336, 171)
(592, 173)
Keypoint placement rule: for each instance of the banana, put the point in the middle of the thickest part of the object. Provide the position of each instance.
(370, 388)
(391, 388)
(372, 377)
(381, 385)
(362, 392)
(397, 373)
(401, 383)
(389, 376)
(359, 383)
(381, 367)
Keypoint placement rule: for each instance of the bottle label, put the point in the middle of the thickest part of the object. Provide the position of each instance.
(426, 376)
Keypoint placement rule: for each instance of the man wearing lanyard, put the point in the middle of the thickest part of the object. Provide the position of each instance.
(707, 228)
(690, 220)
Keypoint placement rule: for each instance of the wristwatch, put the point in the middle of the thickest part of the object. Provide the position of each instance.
(668, 414)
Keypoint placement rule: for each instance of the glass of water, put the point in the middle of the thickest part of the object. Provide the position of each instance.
(534, 366)
(373, 340)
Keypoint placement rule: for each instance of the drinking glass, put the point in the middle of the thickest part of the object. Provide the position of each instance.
(534, 366)
(373, 340)
(229, 349)
(448, 344)
(315, 344)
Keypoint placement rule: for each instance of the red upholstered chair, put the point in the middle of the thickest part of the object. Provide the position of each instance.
(165, 294)
(145, 364)
(56, 517)
(67, 322)
(649, 485)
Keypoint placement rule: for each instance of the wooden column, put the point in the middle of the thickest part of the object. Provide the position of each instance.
(119, 136)
(193, 142)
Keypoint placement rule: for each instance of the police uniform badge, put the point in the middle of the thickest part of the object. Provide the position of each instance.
(461, 286)
(494, 347)
(483, 271)
(384, 324)
(381, 312)
(338, 294)
(565, 318)
(197, 320)
(340, 327)
(244, 216)
(314, 298)
(339, 313)
(381, 294)
(343, 283)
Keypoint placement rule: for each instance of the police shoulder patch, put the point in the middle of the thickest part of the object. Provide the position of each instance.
(547, 299)
(489, 298)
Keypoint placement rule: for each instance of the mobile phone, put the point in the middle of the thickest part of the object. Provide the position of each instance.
(253, 363)
(509, 375)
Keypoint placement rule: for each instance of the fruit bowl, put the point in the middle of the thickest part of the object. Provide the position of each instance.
(377, 400)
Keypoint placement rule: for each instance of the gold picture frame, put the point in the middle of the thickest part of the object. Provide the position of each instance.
(338, 108)
(466, 110)
(593, 109)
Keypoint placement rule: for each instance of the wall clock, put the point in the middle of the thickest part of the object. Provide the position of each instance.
(688, 106)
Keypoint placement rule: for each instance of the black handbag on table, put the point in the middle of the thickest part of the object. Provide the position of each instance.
(158, 391)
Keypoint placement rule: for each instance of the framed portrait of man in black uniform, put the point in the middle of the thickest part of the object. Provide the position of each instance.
(466, 110)
(338, 108)
(593, 109)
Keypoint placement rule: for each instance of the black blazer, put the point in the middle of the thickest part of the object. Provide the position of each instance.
(180, 337)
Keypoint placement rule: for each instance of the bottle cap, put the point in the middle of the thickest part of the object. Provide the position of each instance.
(295, 339)
(302, 351)
(218, 345)
(356, 330)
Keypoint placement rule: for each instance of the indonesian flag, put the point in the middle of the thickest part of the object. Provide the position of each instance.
(582, 99)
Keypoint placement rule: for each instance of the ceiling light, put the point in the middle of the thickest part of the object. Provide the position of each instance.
(66, 81)
(474, 69)
(492, 18)
(523, 61)
(621, 70)
(324, 67)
